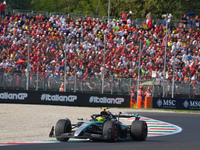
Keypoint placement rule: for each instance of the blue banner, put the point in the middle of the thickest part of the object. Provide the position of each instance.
(176, 103)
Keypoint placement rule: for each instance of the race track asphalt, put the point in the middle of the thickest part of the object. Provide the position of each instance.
(188, 139)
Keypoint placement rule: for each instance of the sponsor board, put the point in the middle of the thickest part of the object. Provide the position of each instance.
(61, 98)
(106, 100)
(166, 103)
(192, 104)
(64, 98)
(171, 103)
(13, 96)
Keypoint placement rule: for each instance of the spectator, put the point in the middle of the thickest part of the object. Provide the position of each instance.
(124, 17)
(189, 24)
(85, 48)
(61, 89)
(148, 16)
(149, 24)
(133, 98)
(3, 5)
(129, 18)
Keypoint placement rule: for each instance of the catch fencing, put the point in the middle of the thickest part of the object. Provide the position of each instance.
(77, 16)
(112, 85)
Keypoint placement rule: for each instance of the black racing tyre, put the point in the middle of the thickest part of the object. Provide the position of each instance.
(62, 126)
(139, 130)
(110, 131)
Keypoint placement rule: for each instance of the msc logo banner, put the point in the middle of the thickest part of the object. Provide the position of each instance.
(173, 103)
(166, 103)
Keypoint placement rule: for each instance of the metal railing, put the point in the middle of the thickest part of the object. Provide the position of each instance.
(77, 16)
(94, 84)
(110, 17)
(36, 13)
(16, 11)
(57, 14)
(93, 16)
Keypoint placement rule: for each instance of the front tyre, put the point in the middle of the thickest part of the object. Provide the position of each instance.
(110, 131)
(139, 130)
(62, 126)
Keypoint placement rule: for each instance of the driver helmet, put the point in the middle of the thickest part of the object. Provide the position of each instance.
(101, 119)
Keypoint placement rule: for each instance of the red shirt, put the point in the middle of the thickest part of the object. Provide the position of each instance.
(124, 17)
(88, 21)
(149, 24)
(2, 7)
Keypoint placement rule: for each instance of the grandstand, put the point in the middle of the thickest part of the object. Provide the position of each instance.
(85, 48)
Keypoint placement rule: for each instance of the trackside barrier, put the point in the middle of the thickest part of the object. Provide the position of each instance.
(139, 102)
(64, 98)
(148, 102)
(176, 103)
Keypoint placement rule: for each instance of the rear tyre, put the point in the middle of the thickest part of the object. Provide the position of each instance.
(62, 126)
(110, 131)
(139, 130)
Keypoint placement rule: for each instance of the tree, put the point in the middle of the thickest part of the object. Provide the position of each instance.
(19, 4)
(49, 5)
(100, 7)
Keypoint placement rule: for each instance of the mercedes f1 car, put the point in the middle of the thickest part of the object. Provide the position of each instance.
(104, 126)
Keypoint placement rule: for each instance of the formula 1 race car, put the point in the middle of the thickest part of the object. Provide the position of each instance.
(104, 126)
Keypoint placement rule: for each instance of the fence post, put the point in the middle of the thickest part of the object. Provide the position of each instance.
(153, 88)
(138, 80)
(46, 83)
(103, 66)
(189, 91)
(129, 91)
(119, 85)
(37, 80)
(75, 83)
(65, 65)
(28, 77)
(43, 84)
(4, 81)
(82, 85)
(112, 85)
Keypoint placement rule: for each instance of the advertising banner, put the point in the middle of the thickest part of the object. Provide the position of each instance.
(64, 98)
(176, 103)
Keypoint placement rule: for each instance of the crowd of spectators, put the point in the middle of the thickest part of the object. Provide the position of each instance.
(85, 39)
